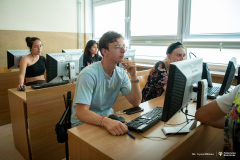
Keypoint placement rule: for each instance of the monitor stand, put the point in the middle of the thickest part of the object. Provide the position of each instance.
(176, 130)
(201, 100)
(71, 70)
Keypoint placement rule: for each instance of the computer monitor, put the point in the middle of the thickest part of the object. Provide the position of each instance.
(72, 51)
(80, 51)
(183, 76)
(183, 86)
(14, 57)
(130, 55)
(62, 67)
(229, 76)
(207, 75)
(238, 76)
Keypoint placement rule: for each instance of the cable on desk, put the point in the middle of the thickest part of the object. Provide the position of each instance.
(151, 138)
(177, 124)
(186, 112)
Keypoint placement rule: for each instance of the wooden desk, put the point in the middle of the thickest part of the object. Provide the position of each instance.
(8, 79)
(34, 114)
(93, 142)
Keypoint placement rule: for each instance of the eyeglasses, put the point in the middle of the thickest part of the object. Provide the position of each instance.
(121, 47)
(36, 47)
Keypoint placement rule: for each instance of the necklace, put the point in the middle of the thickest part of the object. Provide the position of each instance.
(32, 56)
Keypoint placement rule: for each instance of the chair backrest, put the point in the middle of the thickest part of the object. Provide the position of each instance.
(65, 97)
(142, 81)
(121, 101)
(65, 122)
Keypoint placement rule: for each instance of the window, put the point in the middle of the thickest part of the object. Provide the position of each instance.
(215, 20)
(153, 52)
(110, 16)
(209, 29)
(212, 55)
(154, 18)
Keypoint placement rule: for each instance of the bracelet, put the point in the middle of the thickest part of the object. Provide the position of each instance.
(136, 81)
(103, 120)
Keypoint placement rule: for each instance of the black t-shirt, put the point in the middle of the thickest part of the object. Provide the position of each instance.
(94, 59)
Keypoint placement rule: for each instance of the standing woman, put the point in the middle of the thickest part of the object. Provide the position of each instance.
(158, 76)
(32, 66)
(91, 53)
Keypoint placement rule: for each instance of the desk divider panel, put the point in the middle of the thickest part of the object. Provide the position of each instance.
(7, 80)
(19, 124)
(44, 110)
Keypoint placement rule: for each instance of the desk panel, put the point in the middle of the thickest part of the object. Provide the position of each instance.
(204, 139)
(7, 80)
(41, 111)
(19, 124)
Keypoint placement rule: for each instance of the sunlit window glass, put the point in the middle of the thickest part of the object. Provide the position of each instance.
(150, 52)
(215, 16)
(154, 17)
(109, 17)
(215, 55)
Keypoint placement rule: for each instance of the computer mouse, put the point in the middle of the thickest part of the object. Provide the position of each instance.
(22, 89)
(118, 118)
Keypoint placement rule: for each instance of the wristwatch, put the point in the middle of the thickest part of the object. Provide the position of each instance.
(135, 81)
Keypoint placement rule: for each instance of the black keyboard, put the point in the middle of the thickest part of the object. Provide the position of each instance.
(213, 92)
(146, 121)
(51, 84)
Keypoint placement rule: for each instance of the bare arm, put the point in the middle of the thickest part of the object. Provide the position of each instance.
(23, 66)
(113, 126)
(212, 115)
(135, 96)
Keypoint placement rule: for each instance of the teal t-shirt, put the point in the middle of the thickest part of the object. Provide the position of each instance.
(95, 88)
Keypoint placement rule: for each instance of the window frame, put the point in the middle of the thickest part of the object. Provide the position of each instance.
(217, 41)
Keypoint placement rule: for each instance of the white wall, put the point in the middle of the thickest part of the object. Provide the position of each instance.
(39, 15)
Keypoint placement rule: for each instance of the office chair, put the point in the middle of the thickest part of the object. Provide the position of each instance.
(65, 123)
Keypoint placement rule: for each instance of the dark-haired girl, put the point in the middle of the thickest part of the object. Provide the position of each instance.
(158, 76)
(32, 66)
(91, 53)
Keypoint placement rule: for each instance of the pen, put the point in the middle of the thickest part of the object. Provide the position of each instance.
(130, 135)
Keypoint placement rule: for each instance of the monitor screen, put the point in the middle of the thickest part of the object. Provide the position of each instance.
(229, 75)
(72, 51)
(62, 67)
(14, 57)
(207, 75)
(183, 75)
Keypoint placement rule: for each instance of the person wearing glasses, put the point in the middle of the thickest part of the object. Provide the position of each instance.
(91, 53)
(158, 75)
(99, 84)
(32, 66)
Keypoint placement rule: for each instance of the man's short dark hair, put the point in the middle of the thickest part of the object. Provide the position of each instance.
(108, 37)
